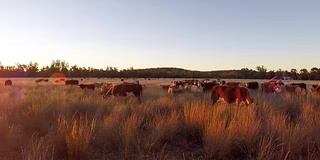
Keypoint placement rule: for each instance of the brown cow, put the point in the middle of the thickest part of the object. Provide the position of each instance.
(8, 83)
(122, 89)
(231, 94)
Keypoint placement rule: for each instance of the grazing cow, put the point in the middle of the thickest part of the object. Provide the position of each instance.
(231, 94)
(72, 82)
(233, 84)
(8, 83)
(252, 85)
(122, 89)
(268, 87)
(301, 85)
(87, 86)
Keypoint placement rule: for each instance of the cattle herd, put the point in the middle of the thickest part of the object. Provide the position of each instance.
(229, 91)
(238, 92)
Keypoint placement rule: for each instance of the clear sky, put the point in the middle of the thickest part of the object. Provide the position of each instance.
(191, 34)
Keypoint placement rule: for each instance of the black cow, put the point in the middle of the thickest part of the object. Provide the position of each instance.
(87, 86)
(72, 82)
(41, 80)
(252, 85)
(207, 86)
(301, 85)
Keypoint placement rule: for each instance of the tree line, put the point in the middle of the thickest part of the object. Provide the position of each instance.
(58, 66)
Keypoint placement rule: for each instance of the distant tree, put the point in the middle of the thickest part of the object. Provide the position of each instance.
(244, 73)
(304, 74)
(271, 74)
(32, 69)
(262, 70)
(314, 73)
(294, 73)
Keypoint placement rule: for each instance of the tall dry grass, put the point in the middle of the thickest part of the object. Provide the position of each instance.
(63, 122)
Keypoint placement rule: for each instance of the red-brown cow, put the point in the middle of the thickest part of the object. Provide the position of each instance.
(122, 89)
(268, 87)
(231, 94)
(8, 83)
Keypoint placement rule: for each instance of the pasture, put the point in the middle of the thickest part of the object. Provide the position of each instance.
(54, 121)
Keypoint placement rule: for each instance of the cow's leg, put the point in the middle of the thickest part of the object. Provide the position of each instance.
(137, 94)
(214, 97)
(239, 100)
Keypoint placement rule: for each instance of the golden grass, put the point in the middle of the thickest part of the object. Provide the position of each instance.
(63, 122)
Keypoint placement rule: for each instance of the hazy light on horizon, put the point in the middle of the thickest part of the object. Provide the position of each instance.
(206, 35)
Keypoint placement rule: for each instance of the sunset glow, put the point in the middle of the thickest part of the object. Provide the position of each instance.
(207, 35)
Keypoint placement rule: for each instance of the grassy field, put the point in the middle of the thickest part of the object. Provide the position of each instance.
(50, 121)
